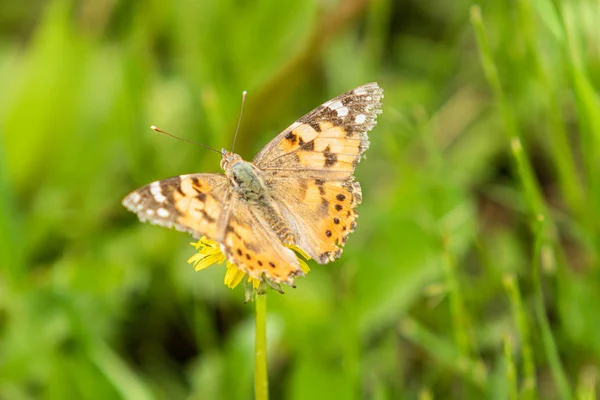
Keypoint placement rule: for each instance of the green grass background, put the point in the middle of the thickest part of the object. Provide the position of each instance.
(474, 269)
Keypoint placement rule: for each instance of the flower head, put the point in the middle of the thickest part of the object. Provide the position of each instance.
(209, 253)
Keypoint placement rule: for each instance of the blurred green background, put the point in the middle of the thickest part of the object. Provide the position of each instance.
(474, 269)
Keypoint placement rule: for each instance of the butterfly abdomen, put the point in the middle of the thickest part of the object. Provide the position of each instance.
(278, 224)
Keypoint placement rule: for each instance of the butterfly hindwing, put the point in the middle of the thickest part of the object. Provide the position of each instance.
(322, 211)
(190, 203)
(251, 244)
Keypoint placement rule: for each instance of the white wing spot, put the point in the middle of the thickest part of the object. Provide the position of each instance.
(151, 211)
(155, 188)
(342, 112)
(135, 197)
(162, 212)
(157, 192)
(369, 98)
(360, 118)
(335, 105)
(360, 91)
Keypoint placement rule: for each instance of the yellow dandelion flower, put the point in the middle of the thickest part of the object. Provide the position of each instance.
(209, 253)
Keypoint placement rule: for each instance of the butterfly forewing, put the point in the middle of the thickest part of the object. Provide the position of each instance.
(331, 138)
(190, 203)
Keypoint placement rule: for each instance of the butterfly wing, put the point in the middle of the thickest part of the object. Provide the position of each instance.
(251, 244)
(330, 139)
(321, 211)
(190, 203)
(310, 167)
(203, 205)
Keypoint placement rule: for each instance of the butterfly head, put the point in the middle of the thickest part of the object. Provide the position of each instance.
(228, 159)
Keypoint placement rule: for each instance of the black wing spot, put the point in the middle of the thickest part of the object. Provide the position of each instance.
(229, 229)
(315, 125)
(291, 137)
(340, 197)
(208, 218)
(239, 252)
(260, 263)
(320, 183)
(330, 158)
(328, 233)
(339, 207)
(197, 183)
(336, 220)
(310, 146)
(271, 264)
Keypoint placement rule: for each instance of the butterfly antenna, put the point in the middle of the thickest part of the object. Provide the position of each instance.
(239, 121)
(154, 128)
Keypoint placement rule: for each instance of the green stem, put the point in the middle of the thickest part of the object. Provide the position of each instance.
(511, 373)
(563, 389)
(460, 319)
(529, 383)
(261, 382)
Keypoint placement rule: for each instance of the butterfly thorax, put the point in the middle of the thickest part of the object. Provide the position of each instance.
(246, 181)
(244, 178)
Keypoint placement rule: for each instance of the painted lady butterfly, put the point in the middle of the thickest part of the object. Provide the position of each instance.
(299, 190)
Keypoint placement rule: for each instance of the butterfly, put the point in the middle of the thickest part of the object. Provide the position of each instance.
(299, 190)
